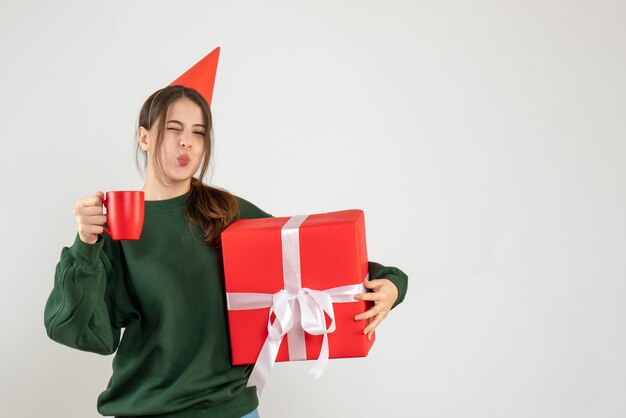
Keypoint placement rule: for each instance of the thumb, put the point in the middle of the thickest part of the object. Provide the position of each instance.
(370, 284)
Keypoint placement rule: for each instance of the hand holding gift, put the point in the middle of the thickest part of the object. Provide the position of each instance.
(384, 294)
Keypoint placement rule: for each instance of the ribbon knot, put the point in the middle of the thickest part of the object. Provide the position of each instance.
(314, 307)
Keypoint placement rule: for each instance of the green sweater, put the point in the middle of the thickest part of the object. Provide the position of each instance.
(167, 290)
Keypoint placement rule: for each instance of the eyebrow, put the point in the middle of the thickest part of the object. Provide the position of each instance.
(182, 124)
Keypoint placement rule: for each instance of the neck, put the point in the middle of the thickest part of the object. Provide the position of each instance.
(153, 190)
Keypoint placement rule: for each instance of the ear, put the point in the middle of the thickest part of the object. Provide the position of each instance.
(142, 137)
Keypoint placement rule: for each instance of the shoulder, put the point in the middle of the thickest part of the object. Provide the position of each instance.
(248, 210)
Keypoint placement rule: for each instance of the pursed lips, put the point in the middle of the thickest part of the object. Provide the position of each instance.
(183, 159)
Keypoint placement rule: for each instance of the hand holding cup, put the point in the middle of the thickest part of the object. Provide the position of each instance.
(125, 211)
(90, 217)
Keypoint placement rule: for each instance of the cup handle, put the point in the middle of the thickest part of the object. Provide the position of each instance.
(105, 203)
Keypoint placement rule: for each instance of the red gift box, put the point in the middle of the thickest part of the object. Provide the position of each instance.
(303, 262)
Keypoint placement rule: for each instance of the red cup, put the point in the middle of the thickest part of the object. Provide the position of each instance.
(124, 214)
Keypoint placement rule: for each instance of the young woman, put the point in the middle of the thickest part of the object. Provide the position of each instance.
(167, 288)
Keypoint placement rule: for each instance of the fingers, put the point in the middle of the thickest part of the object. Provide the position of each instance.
(95, 200)
(373, 297)
(383, 296)
(89, 217)
(380, 290)
(384, 290)
(367, 314)
(90, 210)
(89, 234)
(86, 221)
(90, 227)
(372, 325)
(378, 316)
(372, 284)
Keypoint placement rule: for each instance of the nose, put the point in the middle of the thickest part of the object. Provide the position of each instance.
(185, 142)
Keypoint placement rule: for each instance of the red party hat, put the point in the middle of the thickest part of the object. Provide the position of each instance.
(202, 75)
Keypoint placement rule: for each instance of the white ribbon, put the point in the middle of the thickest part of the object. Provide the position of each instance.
(297, 310)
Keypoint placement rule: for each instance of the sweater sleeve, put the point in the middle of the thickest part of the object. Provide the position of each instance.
(248, 210)
(82, 311)
(395, 275)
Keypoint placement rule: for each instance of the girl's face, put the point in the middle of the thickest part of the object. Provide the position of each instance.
(182, 149)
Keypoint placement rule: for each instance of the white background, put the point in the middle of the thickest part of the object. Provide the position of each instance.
(485, 141)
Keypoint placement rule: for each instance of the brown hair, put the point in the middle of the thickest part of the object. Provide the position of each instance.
(211, 208)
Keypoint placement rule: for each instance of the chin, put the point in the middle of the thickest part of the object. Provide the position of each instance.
(177, 178)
